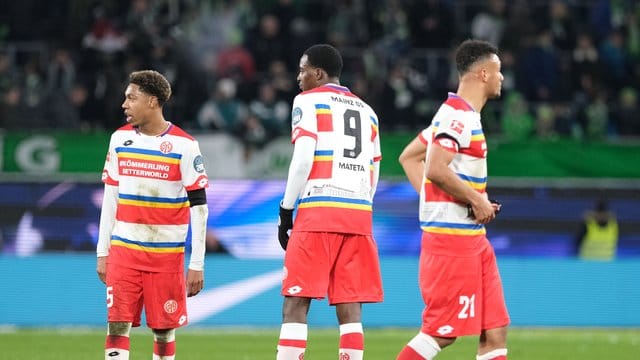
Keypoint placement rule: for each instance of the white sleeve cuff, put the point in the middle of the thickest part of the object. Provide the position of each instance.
(199, 215)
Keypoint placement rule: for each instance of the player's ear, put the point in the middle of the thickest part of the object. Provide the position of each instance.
(320, 74)
(153, 101)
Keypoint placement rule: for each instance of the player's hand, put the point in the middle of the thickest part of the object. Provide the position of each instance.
(485, 211)
(285, 223)
(101, 268)
(195, 282)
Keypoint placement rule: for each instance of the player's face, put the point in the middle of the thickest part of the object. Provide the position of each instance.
(136, 105)
(494, 77)
(307, 75)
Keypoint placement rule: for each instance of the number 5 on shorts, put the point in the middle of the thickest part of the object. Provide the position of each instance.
(109, 296)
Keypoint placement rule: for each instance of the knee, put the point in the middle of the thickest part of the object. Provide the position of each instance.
(164, 335)
(119, 328)
(493, 338)
(349, 313)
(295, 309)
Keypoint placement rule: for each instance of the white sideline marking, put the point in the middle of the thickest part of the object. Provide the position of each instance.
(211, 302)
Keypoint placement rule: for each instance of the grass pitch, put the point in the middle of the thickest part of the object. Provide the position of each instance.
(259, 344)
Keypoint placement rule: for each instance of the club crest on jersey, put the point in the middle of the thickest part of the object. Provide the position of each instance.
(296, 115)
(166, 147)
(198, 164)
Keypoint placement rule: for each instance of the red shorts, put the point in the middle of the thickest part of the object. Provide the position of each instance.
(462, 295)
(344, 266)
(163, 296)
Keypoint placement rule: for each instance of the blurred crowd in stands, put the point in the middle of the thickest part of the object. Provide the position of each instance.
(571, 67)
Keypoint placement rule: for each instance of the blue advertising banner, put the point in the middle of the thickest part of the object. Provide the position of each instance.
(64, 290)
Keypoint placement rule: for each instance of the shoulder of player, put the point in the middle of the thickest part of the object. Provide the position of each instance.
(175, 130)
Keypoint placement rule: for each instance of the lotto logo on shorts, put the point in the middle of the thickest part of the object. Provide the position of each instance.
(171, 306)
(294, 290)
(444, 330)
(182, 320)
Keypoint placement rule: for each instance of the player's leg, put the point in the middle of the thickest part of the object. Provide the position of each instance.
(493, 338)
(292, 342)
(493, 344)
(300, 284)
(355, 279)
(424, 347)
(124, 306)
(165, 305)
(117, 344)
(351, 332)
(448, 285)
(164, 344)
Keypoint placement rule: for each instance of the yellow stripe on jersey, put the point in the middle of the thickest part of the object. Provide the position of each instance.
(151, 249)
(164, 159)
(153, 204)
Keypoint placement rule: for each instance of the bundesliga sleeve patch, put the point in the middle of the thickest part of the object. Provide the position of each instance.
(296, 115)
(198, 164)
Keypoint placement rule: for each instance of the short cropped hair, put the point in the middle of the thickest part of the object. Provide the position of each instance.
(325, 57)
(472, 51)
(152, 83)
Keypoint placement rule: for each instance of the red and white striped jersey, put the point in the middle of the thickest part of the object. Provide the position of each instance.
(153, 175)
(440, 214)
(338, 194)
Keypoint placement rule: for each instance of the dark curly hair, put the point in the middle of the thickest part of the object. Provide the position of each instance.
(152, 83)
(472, 51)
(325, 57)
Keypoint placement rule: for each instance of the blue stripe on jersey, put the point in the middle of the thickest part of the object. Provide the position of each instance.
(476, 132)
(450, 225)
(149, 244)
(337, 199)
(122, 149)
(472, 178)
(374, 120)
(323, 152)
(153, 198)
(323, 106)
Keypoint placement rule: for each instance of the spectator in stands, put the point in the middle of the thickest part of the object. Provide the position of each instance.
(347, 24)
(625, 115)
(61, 73)
(545, 122)
(613, 57)
(489, 24)
(562, 25)
(223, 112)
(12, 109)
(597, 237)
(539, 69)
(585, 60)
(8, 75)
(517, 121)
(271, 113)
(266, 42)
(432, 24)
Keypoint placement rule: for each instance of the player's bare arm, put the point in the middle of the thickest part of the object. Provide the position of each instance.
(412, 161)
(438, 171)
(101, 268)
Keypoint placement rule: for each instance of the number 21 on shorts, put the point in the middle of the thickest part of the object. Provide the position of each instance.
(468, 306)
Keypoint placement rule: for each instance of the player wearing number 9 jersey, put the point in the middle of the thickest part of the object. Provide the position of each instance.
(332, 177)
